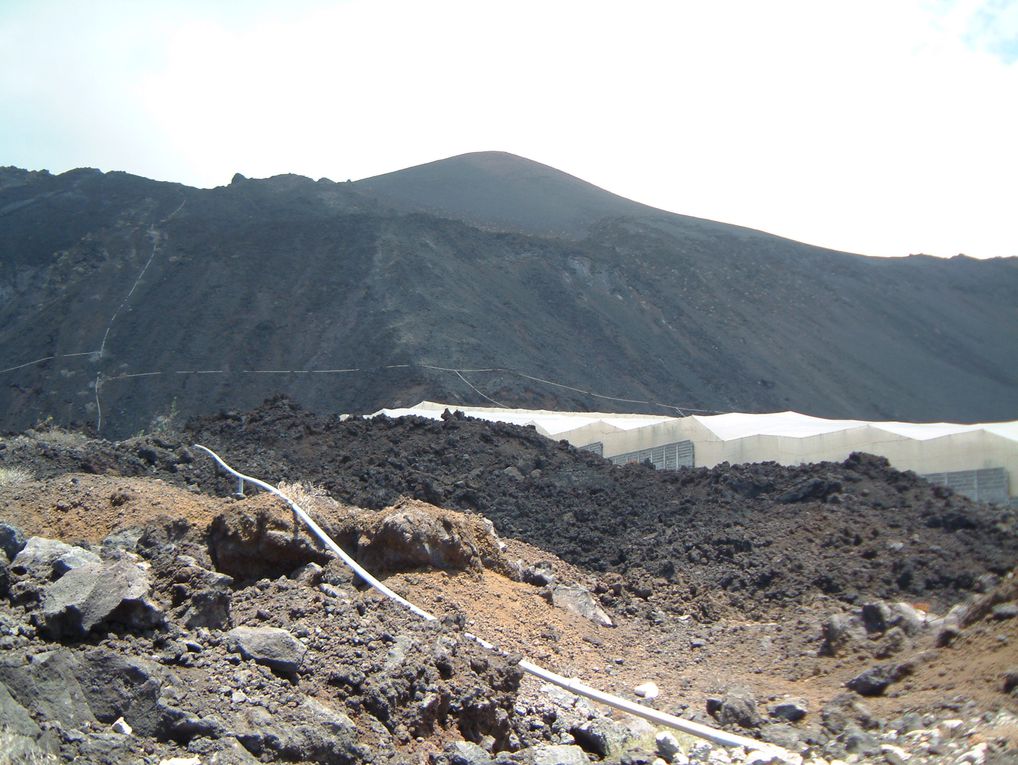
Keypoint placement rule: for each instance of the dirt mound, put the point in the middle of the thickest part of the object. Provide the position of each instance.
(261, 537)
(746, 536)
(80, 506)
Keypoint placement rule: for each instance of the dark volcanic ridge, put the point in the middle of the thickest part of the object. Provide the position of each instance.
(127, 300)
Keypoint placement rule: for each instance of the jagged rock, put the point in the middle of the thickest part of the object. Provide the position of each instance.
(44, 559)
(226, 751)
(780, 734)
(97, 596)
(666, 745)
(201, 598)
(466, 753)
(15, 718)
(876, 616)
(857, 741)
(1011, 680)
(5, 578)
(764, 757)
(124, 539)
(310, 574)
(326, 735)
(601, 736)
(838, 631)
(908, 618)
(844, 710)
(12, 541)
(738, 707)
(127, 687)
(875, 680)
(274, 647)
(48, 686)
(540, 574)
(556, 755)
(789, 709)
(121, 726)
(19, 748)
(579, 601)
(894, 755)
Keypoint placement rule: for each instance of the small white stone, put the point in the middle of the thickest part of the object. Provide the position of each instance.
(647, 690)
(976, 755)
(951, 727)
(121, 726)
(659, 761)
(894, 755)
(181, 761)
(238, 697)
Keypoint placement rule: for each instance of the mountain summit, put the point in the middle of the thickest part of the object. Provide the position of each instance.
(479, 278)
(495, 189)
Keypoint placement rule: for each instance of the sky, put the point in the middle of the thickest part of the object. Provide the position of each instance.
(883, 127)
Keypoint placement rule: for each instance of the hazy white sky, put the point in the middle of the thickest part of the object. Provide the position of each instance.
(883, 127)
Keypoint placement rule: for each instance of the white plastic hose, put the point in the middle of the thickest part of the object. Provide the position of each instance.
(570, 684)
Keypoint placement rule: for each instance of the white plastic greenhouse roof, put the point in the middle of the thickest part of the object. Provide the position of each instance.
(548, 422)
(726, 427)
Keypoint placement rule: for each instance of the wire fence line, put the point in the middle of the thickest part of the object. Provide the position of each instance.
(459, 372)
(104, 380)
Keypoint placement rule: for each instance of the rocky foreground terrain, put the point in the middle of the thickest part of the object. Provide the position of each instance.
(836, 612)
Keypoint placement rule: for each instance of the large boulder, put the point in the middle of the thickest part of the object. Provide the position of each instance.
(96, 597)
(40, 562)
(124, 686)
(47, 685)
(313, 732)
(15, 718)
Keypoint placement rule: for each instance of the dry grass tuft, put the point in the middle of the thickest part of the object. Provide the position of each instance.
(11, 476)
(309, 496)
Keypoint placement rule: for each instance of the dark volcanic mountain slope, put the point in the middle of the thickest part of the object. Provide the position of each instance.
(208, 299)
(499, 190)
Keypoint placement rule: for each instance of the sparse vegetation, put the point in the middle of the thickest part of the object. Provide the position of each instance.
(308, 495)
(10, 476)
